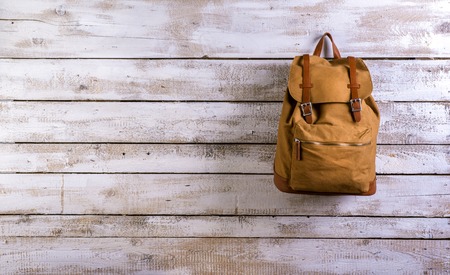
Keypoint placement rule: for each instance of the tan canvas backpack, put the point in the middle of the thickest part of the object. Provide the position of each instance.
(328, 127)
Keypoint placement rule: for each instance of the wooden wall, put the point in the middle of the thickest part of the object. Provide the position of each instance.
(137, 137)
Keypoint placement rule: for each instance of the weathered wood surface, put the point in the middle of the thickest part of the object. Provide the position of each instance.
(153, 185)
(175, 122)
(235, 28)
(201, 80)
(224, 227)
(195, 158)
(222, 256)
(192, 194)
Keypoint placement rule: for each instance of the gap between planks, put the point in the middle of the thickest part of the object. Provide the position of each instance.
(376, 58)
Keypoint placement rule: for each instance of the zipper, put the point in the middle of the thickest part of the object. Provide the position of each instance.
(299, 148)
(299, 142)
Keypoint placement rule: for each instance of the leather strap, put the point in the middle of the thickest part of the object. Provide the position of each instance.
(355, 101)
(306, 85)
(318, 50)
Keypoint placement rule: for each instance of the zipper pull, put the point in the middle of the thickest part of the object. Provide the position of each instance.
(299, 148)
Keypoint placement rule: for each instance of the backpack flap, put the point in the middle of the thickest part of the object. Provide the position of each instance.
(329, 79)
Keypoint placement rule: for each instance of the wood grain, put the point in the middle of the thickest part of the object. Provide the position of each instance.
(224, 194)
(218, 255)
(198, 158)
(195, 122)
(223, 227)
(235, 28)
(201, 80)
(145, 136)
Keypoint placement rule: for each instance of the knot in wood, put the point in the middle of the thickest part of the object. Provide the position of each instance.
(60, 10)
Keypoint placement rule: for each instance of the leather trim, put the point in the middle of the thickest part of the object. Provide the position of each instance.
(354, 86)
(372, 188)
(282, 184)
(318, 49)
(306, 94)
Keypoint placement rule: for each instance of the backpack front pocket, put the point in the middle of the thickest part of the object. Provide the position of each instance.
(340, 166)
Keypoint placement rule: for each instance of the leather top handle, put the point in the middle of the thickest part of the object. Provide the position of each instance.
(318, 50)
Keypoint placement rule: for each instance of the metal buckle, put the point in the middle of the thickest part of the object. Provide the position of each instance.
(302, 107)
(353, 100)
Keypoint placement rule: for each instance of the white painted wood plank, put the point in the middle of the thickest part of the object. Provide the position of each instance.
(194, 122)
(168, 194)
(235, 28)
(198, 158)
(392, 159)
(223, 226)
(138, 122)
(210, 80)
(224, 256)
(204, 80)
(410, 80)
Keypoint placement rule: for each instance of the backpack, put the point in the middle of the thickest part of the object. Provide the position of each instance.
(328, 128)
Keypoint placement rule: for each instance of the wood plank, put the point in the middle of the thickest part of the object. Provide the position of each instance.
(194, 122)
(138, 122)
(225, 256)
(201, 80)
(223, 226)
(194, 158)
(168, 194)
(94, 28)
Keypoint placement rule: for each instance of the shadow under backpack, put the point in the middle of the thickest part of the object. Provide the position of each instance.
(328, 127)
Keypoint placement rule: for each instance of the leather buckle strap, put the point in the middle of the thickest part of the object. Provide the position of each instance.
(306, 108)
(306, 86)
(354, 85)
(355, 104)
(355, 100)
